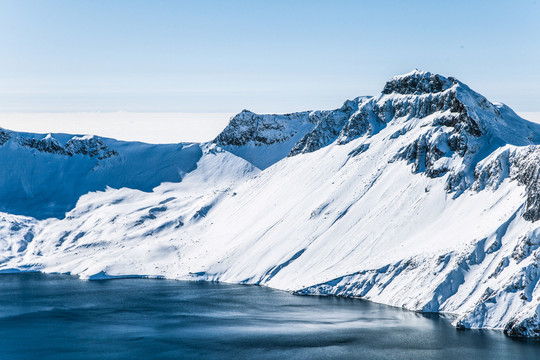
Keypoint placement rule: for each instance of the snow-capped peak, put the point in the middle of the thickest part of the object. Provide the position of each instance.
(417, 82)
(419, 95)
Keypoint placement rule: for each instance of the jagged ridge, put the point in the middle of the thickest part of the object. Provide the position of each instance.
(457, 121)
(85, 145)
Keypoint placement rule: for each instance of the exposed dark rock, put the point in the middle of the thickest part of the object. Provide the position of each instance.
(424, 152)
(327, 129)
(48, 144)
(417, 83)
(500, 267)
(248, 127)
(529, 327)
(359, 150)
(4, 136)
(358, 125)
(522, 165)
(525, 247)
(92, 146)
(526, 170)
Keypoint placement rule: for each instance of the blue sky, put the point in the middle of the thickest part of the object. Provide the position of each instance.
(271, 56)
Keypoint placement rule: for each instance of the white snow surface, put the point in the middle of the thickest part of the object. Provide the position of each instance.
(422, 197)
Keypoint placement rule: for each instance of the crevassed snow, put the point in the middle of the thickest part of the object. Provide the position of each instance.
(425, 197)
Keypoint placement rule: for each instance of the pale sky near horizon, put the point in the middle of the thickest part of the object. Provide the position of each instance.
(268, 56)
(154, 128)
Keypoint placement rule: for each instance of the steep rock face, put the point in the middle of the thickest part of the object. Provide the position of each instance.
(327, 128)
(417, 83)
(517, 164)
(4, 136)
(91, 146)
(265, 139)
(525, 168)
(452, 132)
(248, 127)
(368, 120)
(408, 97)
(47, 144)
(528, 327)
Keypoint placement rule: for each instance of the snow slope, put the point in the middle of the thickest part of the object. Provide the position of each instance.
(426, 196)
(44, 175)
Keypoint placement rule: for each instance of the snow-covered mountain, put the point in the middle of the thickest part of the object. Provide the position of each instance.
(44, 175)
(426, 197)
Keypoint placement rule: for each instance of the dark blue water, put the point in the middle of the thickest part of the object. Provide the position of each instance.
(61, 317)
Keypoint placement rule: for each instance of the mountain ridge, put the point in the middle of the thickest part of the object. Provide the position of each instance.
(43, 175)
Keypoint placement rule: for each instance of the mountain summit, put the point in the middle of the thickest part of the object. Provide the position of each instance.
(417, 83)
(426, 197)
(460, 128)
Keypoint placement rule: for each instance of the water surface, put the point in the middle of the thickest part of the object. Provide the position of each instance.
(61, 317)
